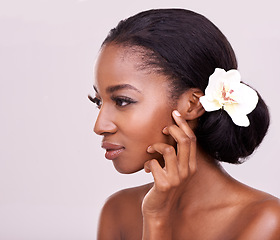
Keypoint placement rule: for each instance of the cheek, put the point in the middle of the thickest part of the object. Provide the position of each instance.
(147, 131)
(145, 127)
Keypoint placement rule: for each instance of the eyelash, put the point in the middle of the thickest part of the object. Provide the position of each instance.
(97, 102)
(118, 100)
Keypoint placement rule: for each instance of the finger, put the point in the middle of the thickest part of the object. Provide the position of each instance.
(183, 147)
(159, 176)
(193, 160)
(169, 154)
(182, 123)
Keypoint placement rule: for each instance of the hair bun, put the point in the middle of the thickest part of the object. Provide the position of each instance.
(227, 142)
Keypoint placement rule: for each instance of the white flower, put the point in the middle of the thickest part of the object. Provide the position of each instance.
(225, 91)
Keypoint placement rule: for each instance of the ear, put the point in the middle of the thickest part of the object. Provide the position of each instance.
(189, 105)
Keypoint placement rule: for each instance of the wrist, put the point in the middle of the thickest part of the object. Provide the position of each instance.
(158, 216)
(155, 228)
(157, 222)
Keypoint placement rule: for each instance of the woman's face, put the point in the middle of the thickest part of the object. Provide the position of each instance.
(134, 108)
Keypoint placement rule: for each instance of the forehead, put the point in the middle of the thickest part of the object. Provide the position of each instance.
(124, 65)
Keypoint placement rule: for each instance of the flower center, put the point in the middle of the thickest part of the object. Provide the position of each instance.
(226, 96)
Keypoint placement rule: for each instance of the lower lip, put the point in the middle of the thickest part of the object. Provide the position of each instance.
(113, 154)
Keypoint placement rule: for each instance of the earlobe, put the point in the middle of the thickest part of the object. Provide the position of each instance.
(189, 105)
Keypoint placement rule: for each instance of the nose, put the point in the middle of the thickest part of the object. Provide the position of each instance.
(104, 123)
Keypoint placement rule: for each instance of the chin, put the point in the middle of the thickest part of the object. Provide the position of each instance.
(126, 169)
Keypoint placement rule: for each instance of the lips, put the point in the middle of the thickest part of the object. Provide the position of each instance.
(112, 150)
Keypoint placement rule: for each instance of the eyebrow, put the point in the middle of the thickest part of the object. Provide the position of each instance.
(115, 88)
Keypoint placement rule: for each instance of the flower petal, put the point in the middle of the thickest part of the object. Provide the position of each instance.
(215, 83)
(247, 99)
(237, 117)
(232, 77)
(241, 120)
(209, 105)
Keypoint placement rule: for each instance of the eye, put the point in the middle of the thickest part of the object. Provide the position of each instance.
(95, 100)
(123, 101)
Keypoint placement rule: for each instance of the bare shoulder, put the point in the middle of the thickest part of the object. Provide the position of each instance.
(120, 210)
(126, 199)
(261, 218)
(129, 194)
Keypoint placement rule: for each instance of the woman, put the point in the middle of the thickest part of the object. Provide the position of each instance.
(160, 111)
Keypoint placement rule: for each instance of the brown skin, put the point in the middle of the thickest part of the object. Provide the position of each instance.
(192, 197)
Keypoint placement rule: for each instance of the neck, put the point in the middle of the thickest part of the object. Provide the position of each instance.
(209, 185)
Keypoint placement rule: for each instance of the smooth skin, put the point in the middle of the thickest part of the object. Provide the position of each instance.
(192, 197)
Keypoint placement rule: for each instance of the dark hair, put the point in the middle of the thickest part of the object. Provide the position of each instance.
(187, 47)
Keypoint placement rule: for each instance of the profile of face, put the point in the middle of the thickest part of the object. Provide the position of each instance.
(134, 107)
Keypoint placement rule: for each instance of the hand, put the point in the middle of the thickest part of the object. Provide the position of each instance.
(169, 181)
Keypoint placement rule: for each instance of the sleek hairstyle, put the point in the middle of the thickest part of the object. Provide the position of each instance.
(187, 47)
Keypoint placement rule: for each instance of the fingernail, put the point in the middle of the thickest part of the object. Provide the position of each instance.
(165, 131)
(177, 113)
(149, 148)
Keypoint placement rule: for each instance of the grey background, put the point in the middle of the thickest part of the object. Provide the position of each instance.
(53, 174)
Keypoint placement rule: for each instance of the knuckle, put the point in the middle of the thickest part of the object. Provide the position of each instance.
(185, 140)
(164, 186)
(184, 174)
(193, 169)
(172, 127)
(175, 182)
(168, 150)
(152, 162)
(193, 138)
